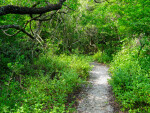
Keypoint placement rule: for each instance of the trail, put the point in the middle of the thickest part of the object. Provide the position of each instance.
(95, 99)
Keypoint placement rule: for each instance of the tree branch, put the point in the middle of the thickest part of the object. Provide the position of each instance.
(45, 17)
(17, 27)
(29, 21)
(100, 1)
(10, 34)
(69, 7)
(11, 9)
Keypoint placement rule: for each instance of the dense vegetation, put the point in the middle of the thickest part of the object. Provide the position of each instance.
(130, 77)
(41, 75)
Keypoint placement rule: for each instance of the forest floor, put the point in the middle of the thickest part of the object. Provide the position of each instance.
(96, 97)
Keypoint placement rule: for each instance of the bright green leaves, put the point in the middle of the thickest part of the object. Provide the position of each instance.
(130, 77)
(134, 14)
(73, 4)
(47, 86)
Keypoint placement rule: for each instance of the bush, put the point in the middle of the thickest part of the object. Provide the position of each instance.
(130, 78)
(102, 57)
(52, 79)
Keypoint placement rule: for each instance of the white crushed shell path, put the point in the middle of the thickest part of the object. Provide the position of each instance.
(96, 98)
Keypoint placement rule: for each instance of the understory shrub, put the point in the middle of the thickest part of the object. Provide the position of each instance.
(102, 57)
(130, 79)
(52, 79)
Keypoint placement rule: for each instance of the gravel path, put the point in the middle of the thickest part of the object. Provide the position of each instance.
(95, 99)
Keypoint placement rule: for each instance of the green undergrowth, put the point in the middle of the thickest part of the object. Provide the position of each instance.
(130, 81)
(46, 86)
(102, 57)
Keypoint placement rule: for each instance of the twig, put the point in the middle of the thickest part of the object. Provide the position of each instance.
(31, 28)
(44, 18)
(12, 34)
(68, 7)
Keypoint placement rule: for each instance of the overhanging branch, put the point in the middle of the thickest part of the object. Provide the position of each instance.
(11, 9)
(100, 1)
(17, 27)
(4, 31)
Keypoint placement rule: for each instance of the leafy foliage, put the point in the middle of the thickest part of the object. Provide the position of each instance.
(130, 78)
(102, 57)
(48, 86)
(40, 77)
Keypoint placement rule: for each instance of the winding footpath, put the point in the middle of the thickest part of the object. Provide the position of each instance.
(95, 99)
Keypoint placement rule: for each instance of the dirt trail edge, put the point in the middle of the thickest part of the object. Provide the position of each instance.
(95, 99)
